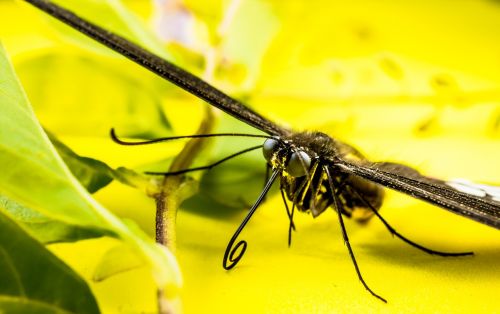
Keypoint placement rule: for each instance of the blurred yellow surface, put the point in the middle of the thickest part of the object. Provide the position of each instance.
(362, 71)
(316, 274)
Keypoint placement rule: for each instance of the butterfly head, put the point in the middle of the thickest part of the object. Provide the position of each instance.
(294, 160)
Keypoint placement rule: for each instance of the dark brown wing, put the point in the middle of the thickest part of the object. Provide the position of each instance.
(162, 67)
(463, 200)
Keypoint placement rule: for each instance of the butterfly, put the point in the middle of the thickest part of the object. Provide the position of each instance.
(315, 171)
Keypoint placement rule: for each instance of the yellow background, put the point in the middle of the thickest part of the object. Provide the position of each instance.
(310, 61)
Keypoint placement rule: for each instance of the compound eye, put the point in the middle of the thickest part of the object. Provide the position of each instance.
(299, 164)
(269, 147)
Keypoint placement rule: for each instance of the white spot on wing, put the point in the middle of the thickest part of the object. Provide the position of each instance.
(472, 190)
(491, 190)
(476, 189)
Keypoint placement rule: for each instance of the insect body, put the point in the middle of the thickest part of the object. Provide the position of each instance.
(315, 170)
(302, 156)
(311, 168)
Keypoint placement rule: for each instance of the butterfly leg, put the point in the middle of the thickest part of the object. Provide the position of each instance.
(297, 197)
(268, 169)
(338, 207)
(397, 234)
(291, 226)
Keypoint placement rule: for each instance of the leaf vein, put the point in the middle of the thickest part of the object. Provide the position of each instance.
(13, 269)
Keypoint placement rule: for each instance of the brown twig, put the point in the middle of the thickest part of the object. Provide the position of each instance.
(171, 189)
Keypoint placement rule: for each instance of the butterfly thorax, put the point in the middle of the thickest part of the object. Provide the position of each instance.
(311, 193)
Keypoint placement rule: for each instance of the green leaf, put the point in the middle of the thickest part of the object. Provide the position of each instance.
(117, 260)
(45, 229)
(31, 165)
(243, 32)
(238, 182)
(35, 176)
(33, 280)
(104, 88)
(92, 174)
(248, 38)
(210, 12)
(114, 16)
(76, 93)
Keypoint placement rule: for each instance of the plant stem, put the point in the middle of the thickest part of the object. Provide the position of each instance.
(171, 190)
(163, 306)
